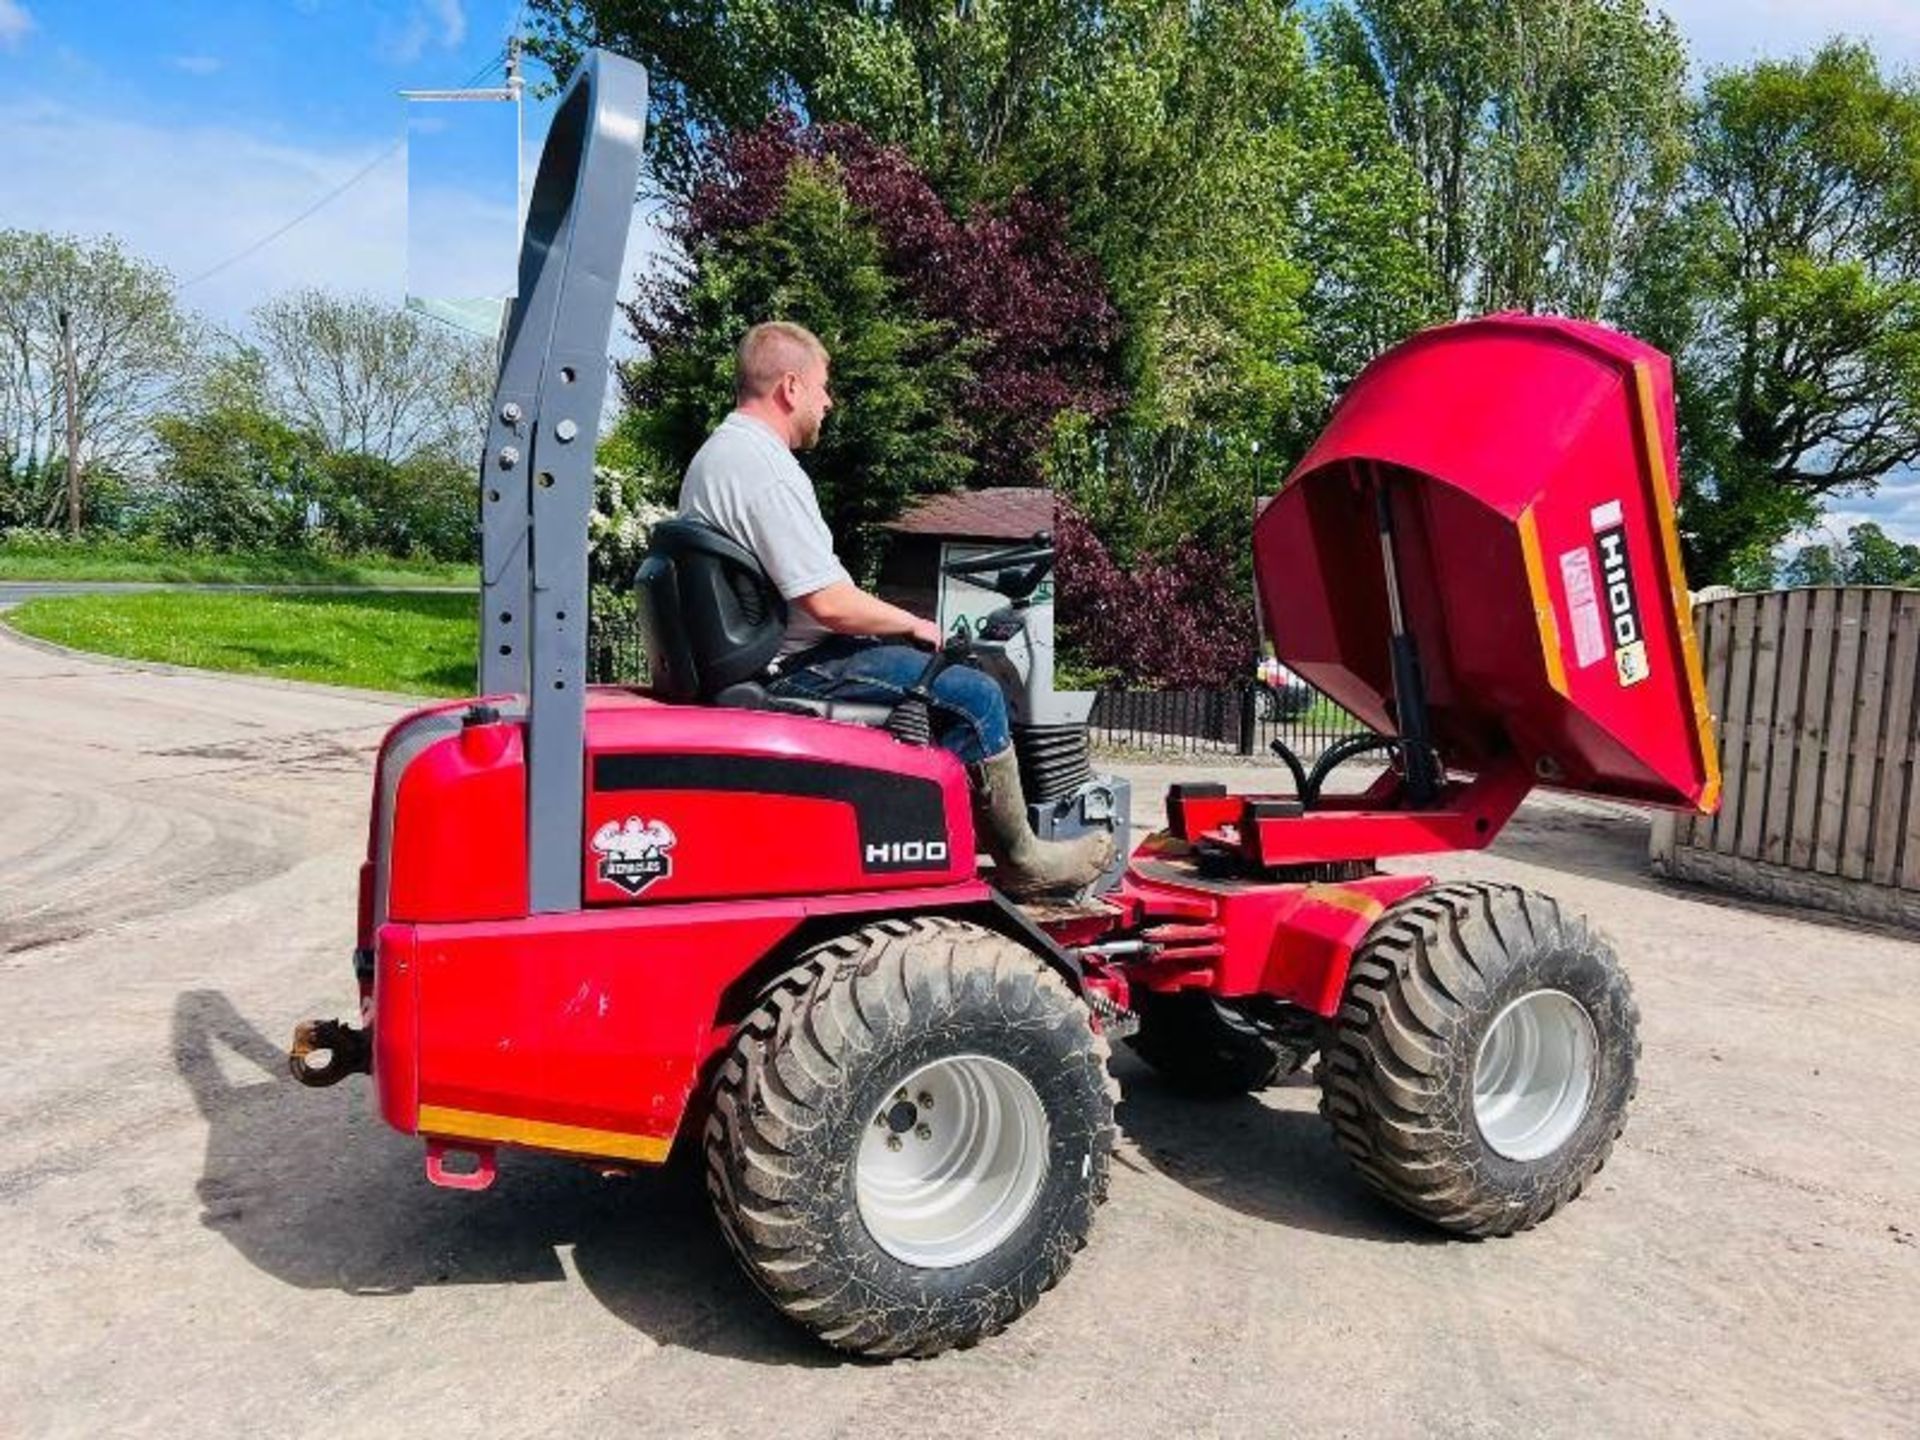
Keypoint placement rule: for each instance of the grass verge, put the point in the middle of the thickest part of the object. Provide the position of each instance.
(413, 644)
(120, 560)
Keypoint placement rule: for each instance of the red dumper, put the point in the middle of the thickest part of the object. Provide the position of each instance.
(613, 923)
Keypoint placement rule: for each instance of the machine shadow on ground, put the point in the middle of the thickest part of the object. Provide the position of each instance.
(1275, 1162)
(1598, 846)
(321, 1195)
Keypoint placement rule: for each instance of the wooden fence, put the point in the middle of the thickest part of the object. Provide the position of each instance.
(1817, 698)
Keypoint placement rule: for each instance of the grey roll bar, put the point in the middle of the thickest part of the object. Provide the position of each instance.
(536, 474)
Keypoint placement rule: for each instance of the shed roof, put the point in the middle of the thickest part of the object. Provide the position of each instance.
(1007, 512)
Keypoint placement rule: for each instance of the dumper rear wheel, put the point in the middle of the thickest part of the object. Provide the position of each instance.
(1483, 1059)
(910, 1135)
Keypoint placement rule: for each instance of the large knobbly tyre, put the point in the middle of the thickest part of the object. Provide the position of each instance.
(1483, 1059)
(1205, 1047)
(910, 1135)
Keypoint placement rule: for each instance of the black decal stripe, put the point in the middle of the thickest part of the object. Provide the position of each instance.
(888, 808)
(1620, 574)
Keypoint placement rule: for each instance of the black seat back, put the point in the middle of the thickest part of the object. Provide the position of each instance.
(708, 615)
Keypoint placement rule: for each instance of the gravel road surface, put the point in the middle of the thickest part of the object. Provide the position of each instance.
(194, 1245)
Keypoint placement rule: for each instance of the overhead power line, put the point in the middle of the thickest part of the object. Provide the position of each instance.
(314, 208)
(479, 75)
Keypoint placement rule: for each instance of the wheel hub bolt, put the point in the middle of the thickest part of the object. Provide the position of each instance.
(893, 1142)
(926, 1100)
(924, 1132)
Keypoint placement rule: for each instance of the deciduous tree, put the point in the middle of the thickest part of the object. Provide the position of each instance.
(895, 432)
(1869, 557)
(1549, 134)
(371, 378)
(958, 84)
(134, 350)
(1788, 286)
(235, 474)
(231, 475)
(1029, 310)
(1157, 622)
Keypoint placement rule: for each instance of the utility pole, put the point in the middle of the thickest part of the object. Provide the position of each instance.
(73, 422)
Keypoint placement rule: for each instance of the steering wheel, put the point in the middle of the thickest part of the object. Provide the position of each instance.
(1015, 572)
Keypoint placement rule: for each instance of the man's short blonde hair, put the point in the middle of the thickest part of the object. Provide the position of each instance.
(769, 351)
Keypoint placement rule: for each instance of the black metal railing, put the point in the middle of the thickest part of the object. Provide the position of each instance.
(615, 652)
(1242, 720)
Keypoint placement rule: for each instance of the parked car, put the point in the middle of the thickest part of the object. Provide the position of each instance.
(1283, 694)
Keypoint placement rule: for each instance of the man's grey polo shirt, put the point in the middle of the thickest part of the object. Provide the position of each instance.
(746, 483)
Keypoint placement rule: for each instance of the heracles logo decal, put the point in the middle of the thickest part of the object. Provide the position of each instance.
(634, 852)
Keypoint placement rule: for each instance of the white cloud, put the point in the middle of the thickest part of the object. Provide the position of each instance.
(15, 22)
(402, 43)
(189, 197)
(1894, 507)
(1737, 32)
(441, 23)
(192, 64)
(452, 16)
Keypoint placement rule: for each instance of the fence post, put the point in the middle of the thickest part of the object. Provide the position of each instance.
(1249, 715)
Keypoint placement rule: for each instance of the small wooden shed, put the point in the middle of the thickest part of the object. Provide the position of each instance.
(959, 525)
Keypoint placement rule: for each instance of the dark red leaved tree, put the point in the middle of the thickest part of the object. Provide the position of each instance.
(1162, 622)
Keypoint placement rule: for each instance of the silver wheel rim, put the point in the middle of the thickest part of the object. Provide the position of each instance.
(1533, 1079)
(952, 1162)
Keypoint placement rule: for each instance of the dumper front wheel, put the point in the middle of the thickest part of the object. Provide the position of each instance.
(1483, 1059)
(909, 1136)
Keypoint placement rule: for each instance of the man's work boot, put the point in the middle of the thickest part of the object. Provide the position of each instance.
(1025, 866)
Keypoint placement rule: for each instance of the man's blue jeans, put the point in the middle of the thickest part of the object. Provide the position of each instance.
(969, 712)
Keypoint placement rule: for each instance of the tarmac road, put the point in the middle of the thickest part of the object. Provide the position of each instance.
(15, 592)
(194, 1245)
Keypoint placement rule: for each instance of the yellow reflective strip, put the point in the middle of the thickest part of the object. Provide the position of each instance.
(1662, 478)
(451, 1124)
(1543, 620)
(1356, 902)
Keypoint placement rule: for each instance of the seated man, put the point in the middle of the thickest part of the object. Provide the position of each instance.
(745, 482)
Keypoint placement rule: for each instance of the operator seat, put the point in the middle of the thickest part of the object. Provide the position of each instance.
(711, 623)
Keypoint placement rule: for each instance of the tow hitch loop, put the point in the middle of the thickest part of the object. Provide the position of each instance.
(345, 1048)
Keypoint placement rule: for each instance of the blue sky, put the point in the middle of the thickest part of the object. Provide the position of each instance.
(192, 128)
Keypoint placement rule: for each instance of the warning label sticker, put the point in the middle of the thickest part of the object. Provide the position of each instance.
(1583, 606)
